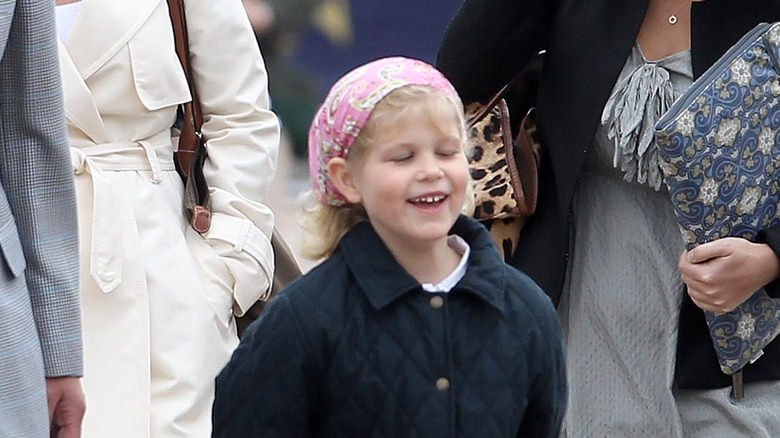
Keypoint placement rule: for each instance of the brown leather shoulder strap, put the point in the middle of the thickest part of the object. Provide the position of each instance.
(191, 152)
(193, 117)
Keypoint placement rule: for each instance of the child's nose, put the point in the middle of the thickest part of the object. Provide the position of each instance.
(431, 168)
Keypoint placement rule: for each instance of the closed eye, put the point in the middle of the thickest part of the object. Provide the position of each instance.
(401, 157)
(447, 152)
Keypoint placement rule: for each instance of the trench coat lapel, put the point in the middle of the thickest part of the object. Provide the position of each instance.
(102, 28)
(82, 54)
(80, 108)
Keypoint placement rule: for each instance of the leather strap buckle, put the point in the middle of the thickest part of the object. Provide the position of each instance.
(200, 219)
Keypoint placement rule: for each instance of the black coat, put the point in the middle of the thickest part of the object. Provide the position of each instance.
(356, 348)
(587, 44)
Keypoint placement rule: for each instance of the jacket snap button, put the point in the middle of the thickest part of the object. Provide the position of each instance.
(437, 302)
(442, 384)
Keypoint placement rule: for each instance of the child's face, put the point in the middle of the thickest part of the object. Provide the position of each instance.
(412, 180)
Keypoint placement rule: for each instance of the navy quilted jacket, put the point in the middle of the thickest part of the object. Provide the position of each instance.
(356, 348)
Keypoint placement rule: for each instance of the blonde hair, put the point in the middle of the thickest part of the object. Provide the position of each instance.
(324, 225)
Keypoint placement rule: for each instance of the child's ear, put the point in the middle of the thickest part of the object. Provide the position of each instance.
(344, 179)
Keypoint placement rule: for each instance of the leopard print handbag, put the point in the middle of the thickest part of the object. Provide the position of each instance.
(504, 170)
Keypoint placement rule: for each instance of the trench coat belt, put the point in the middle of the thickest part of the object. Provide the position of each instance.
(153, 154)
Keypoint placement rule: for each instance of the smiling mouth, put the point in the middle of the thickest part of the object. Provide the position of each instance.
(435, 199)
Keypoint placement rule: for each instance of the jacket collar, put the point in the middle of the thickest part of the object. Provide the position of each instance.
(384, 281)
(102, 28)
(80, 108)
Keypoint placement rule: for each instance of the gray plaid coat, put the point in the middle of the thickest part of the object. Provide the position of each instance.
(40, 332)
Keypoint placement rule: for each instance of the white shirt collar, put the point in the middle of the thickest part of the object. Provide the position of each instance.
(460, 246)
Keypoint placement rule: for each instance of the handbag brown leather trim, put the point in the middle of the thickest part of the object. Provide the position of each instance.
(504, 170)
(189, 163)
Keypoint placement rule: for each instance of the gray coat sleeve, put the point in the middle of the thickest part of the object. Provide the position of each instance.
(37, 180)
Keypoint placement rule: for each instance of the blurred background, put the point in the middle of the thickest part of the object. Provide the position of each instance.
(308, 45)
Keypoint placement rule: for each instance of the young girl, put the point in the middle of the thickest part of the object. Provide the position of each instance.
(413, 326)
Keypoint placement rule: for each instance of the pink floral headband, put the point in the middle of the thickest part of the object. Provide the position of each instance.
(348, 106)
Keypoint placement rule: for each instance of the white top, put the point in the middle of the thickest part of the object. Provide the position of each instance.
(66, 16)
(461, 247)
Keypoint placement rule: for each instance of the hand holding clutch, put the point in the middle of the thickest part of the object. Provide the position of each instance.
(722, 274)
(721, 162)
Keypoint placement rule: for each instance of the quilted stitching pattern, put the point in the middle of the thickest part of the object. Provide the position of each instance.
(330, 360)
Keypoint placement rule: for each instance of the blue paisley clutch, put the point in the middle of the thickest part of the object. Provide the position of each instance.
(721, 161)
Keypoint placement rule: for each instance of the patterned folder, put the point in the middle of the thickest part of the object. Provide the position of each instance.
(721, 161)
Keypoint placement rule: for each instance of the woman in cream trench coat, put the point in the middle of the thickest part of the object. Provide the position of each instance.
(158, 298)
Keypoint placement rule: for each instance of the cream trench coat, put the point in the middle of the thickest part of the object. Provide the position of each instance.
(157, 296)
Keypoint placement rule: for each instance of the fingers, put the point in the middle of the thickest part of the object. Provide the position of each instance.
(711, 303)
(705, 288)
(66, 406)
(66, 422)
(710, 250)
(699, 276)
(70, 431)
(724, 273)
